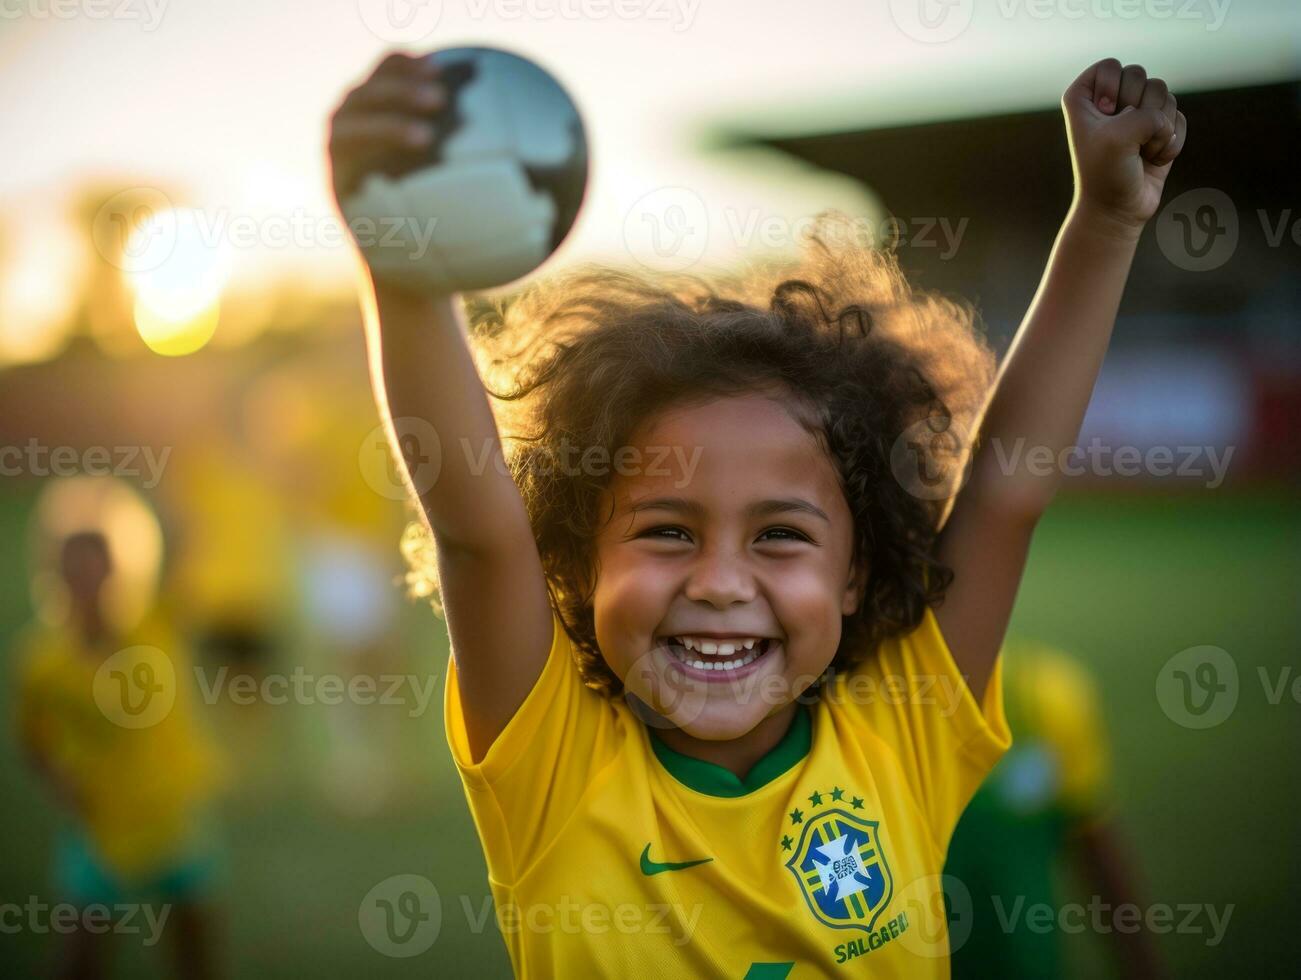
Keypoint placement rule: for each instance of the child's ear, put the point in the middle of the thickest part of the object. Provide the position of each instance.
(856, 588)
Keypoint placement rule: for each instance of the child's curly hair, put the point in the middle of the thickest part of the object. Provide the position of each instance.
(862, 358)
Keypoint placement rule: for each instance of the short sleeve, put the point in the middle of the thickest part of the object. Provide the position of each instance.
(525, 787)
(912, 696)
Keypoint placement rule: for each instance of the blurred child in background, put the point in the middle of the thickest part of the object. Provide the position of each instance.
(1046, 800)
(106, 717)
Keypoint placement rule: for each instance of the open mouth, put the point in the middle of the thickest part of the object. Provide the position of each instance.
(721, 657)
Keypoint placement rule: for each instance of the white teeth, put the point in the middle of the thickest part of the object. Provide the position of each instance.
(724, 664)
(753, 647)
(714, 648)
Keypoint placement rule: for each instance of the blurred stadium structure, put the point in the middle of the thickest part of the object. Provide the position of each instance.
(1207, 349)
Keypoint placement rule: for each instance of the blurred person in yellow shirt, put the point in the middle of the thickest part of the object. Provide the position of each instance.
(347, 575)
(231, 574)
(106, 716)
(1049, 801)
(332, 464)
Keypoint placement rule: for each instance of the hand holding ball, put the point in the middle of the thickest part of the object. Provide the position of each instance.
(460, 170)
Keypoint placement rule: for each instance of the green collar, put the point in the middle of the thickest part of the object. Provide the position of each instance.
(714, 780)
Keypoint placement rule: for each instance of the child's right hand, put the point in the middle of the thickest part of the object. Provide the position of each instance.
(389, 116)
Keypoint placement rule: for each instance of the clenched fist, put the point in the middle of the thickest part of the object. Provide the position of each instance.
(1125, 130)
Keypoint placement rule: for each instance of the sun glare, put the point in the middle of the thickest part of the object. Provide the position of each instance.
(178, 269)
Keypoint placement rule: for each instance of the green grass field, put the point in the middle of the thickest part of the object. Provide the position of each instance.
(1123, 583)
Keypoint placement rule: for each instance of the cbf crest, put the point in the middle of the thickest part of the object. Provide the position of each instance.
(839, 863)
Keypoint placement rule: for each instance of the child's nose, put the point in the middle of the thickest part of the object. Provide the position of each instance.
(720, 579)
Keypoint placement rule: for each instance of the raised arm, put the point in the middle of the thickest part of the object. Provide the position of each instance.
(1125, 132)
(424, 378)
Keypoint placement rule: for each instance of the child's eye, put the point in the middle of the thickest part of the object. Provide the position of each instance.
(787, 534)
(656, 532)
(790, 533)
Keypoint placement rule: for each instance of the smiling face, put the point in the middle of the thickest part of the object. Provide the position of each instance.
(731, 526)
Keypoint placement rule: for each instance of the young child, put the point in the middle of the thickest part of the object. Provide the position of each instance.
(710, 712)
(106, 719)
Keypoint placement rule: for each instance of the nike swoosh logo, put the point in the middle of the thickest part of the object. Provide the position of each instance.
(649, 867)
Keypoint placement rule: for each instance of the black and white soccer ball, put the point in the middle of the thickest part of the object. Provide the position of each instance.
(497, 191)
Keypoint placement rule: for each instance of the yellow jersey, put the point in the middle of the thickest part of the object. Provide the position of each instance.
(233, 559)
(610, 854)
(118, 725)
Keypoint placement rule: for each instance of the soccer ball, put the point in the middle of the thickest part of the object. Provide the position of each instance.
(497, 191)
